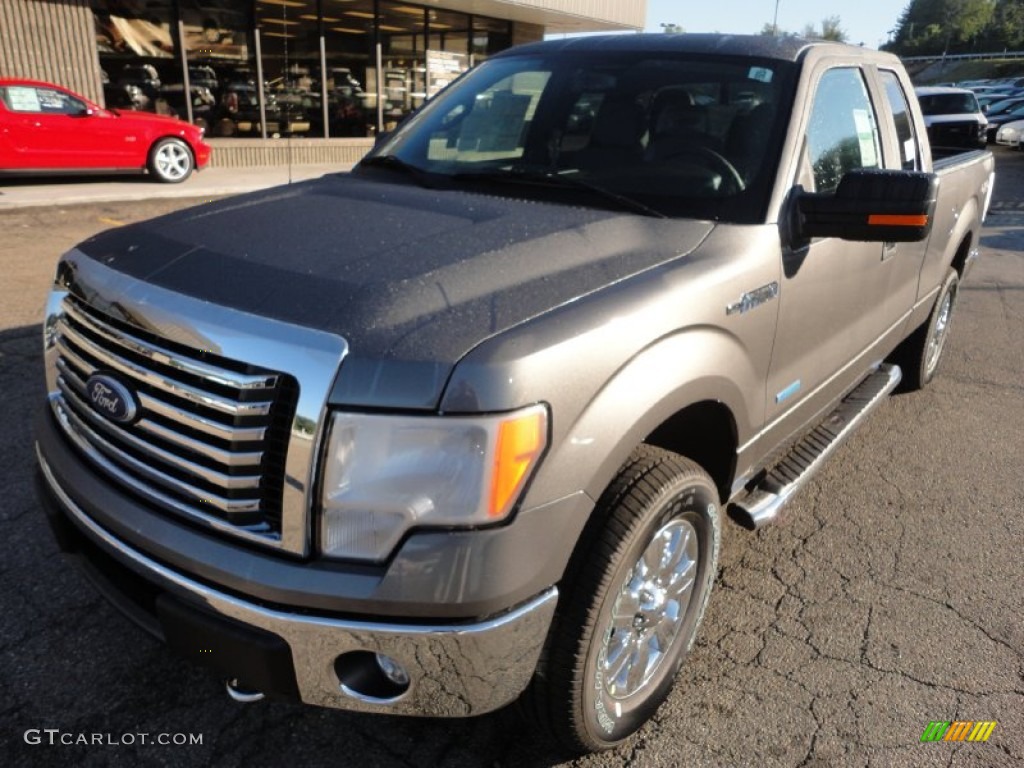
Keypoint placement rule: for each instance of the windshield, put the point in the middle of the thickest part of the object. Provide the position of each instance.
(675, 135)
(949, 104)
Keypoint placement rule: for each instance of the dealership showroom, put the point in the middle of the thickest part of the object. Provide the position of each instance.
(263, 70)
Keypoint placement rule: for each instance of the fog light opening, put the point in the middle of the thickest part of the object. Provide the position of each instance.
(371, 677)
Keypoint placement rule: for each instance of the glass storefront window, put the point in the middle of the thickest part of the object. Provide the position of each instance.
(136, 49)
(403, 49)
(348, 42)
(221, 66)
(318, 61)
(447, 48)
(290, 40)
(489, 37)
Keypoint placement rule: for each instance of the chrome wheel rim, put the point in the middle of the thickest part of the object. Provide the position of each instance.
(649, 611)
(173, 161)
(938, 336)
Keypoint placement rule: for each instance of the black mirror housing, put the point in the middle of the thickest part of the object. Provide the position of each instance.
(871, 205)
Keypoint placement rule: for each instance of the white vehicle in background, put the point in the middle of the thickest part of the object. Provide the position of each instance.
(953, 118)
(1011, 134)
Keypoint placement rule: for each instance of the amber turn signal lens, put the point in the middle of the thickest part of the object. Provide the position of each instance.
(520, 442)
(892, 220)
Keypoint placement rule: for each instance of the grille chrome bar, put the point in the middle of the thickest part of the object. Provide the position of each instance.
(196, 422)
(117, 435)
(163, 383)
(118, 461)
(221, 456)
(225, 458)
(158, 354)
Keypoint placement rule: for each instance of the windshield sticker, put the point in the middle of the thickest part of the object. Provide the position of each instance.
(761, 74)
(22, 99)
(866, 138)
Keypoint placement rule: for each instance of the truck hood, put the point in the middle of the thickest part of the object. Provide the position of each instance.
(411, 278)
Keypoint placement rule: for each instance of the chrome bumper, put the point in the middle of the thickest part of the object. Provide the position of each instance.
(454, 670)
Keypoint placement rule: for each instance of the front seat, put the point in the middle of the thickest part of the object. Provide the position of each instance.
(747, 142)
(677, 126)
(616, 138)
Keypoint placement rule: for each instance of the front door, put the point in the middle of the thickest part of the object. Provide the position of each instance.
(49, 128)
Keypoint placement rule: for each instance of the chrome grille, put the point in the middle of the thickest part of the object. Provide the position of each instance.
(211, 434)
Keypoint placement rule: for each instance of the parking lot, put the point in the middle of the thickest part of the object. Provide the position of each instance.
(888, 595)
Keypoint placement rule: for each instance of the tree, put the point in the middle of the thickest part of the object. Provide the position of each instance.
(945, 26)
(969, 17)
(831, 29)
(1006, 30)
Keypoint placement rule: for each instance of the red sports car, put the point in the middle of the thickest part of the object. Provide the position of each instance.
(45, 128)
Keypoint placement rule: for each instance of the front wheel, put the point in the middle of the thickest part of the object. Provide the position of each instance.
(170, 161)
(632, 602)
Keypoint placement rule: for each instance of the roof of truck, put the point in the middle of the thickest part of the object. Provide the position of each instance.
(786, 47)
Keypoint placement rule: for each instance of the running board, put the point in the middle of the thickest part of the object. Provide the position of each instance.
(762, 504)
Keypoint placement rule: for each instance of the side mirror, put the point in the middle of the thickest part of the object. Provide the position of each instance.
(872, 206)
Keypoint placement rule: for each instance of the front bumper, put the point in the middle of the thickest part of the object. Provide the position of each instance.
(454, 670)
(203, 153)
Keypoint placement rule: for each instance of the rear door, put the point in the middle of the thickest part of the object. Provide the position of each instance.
(903, 152)
(835, 294)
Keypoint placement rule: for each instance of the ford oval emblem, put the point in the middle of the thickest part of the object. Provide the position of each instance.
(111, 398)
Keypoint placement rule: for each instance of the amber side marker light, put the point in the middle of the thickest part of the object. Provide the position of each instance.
(893, 220)
(520, 442)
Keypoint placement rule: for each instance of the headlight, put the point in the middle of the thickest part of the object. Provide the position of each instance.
(385, 474)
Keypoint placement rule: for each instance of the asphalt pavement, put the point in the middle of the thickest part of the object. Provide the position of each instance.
(889, 595)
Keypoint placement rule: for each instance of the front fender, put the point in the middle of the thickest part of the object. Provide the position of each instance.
(615, 365)
(696, 365)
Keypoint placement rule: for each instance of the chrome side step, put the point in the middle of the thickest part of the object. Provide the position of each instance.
(762, 504)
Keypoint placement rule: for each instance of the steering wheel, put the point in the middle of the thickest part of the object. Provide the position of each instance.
(709, 158)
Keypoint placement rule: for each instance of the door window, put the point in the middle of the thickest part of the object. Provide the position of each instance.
(25, 98)
(905, 138)
(843, 132)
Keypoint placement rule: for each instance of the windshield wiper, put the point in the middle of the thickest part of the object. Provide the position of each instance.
(395, 163)
(518, 173)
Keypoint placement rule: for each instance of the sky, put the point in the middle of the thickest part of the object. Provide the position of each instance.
(865, 21)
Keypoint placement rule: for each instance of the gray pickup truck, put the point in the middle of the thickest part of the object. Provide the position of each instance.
(460, 428)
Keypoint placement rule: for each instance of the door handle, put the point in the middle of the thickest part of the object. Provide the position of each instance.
(888, 250)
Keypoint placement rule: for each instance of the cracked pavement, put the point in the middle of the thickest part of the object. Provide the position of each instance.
(889, 594)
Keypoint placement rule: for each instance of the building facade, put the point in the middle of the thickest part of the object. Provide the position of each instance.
(266, 69)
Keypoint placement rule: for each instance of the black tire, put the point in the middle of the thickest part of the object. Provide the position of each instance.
(661, 510)
(919, 356)
(171, 161)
